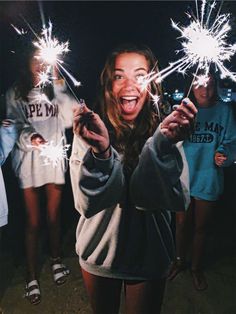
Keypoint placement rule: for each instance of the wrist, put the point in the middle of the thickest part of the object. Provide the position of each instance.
(106, 153)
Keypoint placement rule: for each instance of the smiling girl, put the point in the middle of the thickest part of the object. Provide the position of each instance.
(125, 174)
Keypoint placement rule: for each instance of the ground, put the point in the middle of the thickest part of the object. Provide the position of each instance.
(180, 296)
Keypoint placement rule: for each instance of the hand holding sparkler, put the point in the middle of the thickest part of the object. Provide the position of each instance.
(37, 139)
(89, 126)
(177, 125)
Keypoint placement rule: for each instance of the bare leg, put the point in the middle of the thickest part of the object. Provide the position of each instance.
(203, 212)
(31, 197)
(184, 226)
(184, 229)
(54, 193)
(142, 297)
(104, 293)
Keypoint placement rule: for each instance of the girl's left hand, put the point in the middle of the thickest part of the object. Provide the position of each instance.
(180, 123)
(220, 159)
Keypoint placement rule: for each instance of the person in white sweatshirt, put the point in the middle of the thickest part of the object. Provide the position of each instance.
(40, 117)
(125, 172)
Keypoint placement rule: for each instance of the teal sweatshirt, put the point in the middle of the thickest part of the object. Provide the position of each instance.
(215, 131)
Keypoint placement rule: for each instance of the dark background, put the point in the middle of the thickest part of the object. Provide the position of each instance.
(93, 28)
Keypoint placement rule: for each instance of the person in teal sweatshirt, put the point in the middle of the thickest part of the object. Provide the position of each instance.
(211, 147)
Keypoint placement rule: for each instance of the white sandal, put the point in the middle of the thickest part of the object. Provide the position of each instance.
(60, 273)
(32, 292)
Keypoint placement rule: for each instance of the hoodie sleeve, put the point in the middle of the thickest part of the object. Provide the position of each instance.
(15, 112)
(8, 136)
(97, 184)
(155, 183)
(228, 142)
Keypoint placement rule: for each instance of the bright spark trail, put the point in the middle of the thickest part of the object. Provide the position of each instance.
(51, 52)
(203, 43)
(51, 153)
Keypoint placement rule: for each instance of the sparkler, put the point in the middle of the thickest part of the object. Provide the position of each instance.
(51, 153)
(143, 81)
(203, 44)
(36, 96)
(51, 52)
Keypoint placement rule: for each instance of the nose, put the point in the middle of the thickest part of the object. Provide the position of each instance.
(130, 84)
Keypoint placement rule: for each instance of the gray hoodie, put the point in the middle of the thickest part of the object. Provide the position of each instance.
(124, 229)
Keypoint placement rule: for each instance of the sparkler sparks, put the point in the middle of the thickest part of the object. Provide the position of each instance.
(19, 31)
(203, 44)
(53, 154)
(144, 81)
(201, 80)
(51, 53)
(51, 50)
(36, 96)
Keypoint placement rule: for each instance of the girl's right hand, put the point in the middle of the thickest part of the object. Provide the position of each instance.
(220, 159)
(37, 139)
(89, 126)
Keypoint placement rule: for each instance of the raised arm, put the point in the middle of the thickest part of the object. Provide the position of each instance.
(95, 167)
(155, 183)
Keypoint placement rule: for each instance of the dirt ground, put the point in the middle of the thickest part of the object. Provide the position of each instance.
(180, 296)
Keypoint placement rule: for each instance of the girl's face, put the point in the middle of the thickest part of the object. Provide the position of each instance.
(205, 94)
(36, 66)
(129, 67)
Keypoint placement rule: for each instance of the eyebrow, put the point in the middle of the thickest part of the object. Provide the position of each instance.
(136, 70)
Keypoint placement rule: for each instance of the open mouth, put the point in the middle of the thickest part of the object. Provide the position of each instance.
(128, 103)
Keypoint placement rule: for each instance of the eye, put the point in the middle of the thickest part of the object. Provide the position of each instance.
(140, 77)
(117, 77)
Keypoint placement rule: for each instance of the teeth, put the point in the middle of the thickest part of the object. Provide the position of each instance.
(129, 98)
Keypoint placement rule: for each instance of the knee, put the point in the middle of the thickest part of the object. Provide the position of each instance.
(180, 222)
(32, 226)
(53, 219)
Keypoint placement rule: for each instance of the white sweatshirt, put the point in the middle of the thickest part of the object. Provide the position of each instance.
(114, 238)
(49, 119)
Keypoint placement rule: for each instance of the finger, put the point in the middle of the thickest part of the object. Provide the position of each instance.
(186, 111)
(186, 104)
(80, 109)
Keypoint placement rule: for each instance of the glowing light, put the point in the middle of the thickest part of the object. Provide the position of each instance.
(50, 53)
(37, 97)
(50, 49)
(44, 78)
(19, 31)
(144, 81)
(201, 80)
(53, 154)
(202, 45)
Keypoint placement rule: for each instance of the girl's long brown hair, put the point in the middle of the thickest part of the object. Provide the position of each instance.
(128, 140)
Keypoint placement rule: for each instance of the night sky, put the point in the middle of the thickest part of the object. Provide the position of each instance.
(93, 28)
